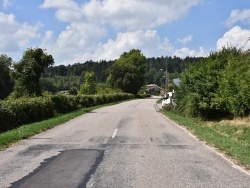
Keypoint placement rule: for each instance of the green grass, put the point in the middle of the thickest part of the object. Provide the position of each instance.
(229, 138)
(26, 131)
(159, 101)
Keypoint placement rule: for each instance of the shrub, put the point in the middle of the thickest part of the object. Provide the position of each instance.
(64, 103)
(16, 112)
(24, 110)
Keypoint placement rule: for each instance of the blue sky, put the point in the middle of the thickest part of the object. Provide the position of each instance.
(75, 31)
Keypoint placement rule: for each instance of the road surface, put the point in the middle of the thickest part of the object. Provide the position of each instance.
(125, 145)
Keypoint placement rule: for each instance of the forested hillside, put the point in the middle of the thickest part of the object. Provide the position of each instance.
(61, 77)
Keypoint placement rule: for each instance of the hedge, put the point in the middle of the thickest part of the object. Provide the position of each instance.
(17, 112)
(14, 113)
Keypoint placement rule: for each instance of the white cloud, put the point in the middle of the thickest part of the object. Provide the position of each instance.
(235, 37)
(238, 16)
(166, 46)
(147, 41)
(67, 10)
(184, 52)
(16, 36)
(123, 14)
(91, 22)
(60, 4)
(76, 39)
(137, 14)
(185, 40)
(7, 3)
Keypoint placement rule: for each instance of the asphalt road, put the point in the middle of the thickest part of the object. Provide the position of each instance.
(125, 145)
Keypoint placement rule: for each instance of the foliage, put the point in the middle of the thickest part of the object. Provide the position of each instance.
(89, 85)
(127, 73)
(216, 87)
(65, 77)
(28, 70)
(234, 91)
(60, 83)
(23, 111)
(79, 69)
(6, 83)
(103, 88)
(47, 85)
(16, 112)
(73, 91)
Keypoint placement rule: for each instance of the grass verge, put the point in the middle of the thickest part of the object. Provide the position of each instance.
(228, 137)
(26, 131)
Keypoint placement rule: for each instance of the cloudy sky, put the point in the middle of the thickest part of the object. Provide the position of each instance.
(79, 30)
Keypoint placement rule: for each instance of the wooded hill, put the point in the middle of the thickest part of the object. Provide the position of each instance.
(61, 77)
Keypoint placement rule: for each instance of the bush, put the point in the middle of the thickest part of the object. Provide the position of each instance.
(217, 87)
(7, 117)
(16, 112)
(64, 103)
(24, 110)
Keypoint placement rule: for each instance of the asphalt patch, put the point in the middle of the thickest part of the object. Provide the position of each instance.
(71, 168)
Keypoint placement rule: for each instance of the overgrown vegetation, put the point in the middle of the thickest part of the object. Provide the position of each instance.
(16, 112)
(216, 87)
(89, 85)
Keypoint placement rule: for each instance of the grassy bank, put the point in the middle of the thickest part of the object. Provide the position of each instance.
(26, 131)
(230, 137)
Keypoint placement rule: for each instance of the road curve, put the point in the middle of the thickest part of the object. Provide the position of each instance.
(125, 145)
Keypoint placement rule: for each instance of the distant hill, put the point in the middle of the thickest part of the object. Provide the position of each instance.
(63, 77)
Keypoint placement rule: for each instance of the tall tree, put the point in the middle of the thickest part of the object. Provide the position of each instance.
(28, 70)
(6, 83)
(128, 72)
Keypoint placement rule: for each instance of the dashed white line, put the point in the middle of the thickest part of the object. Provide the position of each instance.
(114, 134)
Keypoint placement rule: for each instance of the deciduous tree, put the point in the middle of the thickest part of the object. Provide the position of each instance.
(28, 70)
(89, 85)
(6, 83)
(207, 85)
(128, 72)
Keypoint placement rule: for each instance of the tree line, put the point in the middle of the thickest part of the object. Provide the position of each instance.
(213, 87)
(36, 71)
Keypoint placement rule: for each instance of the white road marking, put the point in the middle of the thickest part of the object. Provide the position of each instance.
(115, 133)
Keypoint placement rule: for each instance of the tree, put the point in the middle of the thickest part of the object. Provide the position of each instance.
(233, 94)
(89, 85)
(47, 85)
(6, 83)
(28, 70)
(200, 93)
(128, 72)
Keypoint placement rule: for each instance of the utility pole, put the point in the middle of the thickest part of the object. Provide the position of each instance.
(166, 84)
